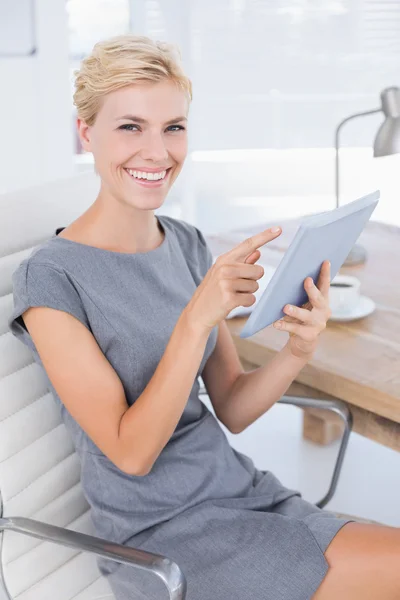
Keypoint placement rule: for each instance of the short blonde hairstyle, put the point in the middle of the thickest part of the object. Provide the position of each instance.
(120, 61)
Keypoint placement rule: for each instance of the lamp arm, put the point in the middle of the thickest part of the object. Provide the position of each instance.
(337, 139)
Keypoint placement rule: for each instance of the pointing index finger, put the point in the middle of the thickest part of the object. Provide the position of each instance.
(242, 250)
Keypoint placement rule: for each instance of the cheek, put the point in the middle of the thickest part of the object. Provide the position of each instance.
(178, 149)
(124, 148)
(119, 147)
(184, 148)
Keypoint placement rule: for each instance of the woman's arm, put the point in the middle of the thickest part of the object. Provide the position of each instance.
(132, 437)
(254, 392)
(148, 424)
(246, 396)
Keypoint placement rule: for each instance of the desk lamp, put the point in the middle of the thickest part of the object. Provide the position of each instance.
(387, 141)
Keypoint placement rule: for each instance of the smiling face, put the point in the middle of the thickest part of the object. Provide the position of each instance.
(139, 141)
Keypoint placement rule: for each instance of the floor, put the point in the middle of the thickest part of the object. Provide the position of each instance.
(369, 485)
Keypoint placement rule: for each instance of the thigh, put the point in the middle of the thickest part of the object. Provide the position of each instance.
(364, 564)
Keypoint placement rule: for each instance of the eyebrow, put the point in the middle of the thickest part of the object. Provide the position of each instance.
(143, 121)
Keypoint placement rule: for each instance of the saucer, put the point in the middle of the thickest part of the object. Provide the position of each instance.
(365, 307)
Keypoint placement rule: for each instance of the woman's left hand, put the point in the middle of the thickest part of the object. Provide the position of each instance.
(305, 324)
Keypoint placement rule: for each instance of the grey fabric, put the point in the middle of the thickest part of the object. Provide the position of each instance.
(236, 531)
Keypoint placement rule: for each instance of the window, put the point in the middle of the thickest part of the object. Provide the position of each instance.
(92, 20)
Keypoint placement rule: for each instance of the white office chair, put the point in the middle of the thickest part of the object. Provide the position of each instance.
(47, 547)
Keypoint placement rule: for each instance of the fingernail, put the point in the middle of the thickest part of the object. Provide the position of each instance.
(275, 229)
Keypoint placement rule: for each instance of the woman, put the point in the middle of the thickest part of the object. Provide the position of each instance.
(132, 308)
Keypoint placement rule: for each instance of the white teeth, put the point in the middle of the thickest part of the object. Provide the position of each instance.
(148, 176)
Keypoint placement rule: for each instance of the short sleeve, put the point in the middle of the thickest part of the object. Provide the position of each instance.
(206, 258)
(39, 284)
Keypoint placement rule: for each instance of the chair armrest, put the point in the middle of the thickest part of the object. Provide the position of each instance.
(337, 406)
(163, 567)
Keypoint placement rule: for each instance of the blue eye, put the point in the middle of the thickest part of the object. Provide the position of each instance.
(126, 127)
(179, 127)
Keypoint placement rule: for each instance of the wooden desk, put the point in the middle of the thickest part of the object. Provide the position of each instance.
(357, 361)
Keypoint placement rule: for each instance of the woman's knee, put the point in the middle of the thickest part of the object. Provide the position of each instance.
(364, 562)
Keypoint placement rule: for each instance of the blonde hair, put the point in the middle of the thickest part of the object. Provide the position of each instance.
(120, 61)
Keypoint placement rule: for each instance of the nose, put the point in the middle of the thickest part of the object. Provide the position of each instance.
(154, 148)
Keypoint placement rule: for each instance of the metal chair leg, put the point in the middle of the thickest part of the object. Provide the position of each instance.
(340, 408)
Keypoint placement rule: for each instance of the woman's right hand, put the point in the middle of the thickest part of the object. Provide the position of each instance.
(230, 282)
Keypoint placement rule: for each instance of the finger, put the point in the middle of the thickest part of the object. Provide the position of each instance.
(308, 318)
(302, 314)
(324, 280)
(307, 305)
(253, 257)
(242, 250)
(303, 331)
(246, 285)
(316, 298)
(289, 319)
(241, 271)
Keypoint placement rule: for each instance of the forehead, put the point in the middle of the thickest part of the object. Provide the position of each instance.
(159, 101)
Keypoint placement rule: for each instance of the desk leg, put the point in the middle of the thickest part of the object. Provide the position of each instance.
(321, 427)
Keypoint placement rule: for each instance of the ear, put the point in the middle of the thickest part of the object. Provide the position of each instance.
(84, 134)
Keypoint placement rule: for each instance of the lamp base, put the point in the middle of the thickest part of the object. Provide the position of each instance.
(356, 256)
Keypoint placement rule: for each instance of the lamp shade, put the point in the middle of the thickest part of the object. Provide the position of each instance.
(387, 140)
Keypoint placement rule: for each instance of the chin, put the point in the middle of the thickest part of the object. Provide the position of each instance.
(147, 202)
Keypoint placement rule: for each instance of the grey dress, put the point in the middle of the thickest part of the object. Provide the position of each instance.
(236, 531)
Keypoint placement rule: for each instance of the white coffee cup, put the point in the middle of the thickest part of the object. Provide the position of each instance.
(344, 293)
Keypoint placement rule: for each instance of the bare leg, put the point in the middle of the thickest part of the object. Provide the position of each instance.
(364, 563)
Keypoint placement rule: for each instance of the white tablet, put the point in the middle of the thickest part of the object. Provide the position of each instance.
(325, 236)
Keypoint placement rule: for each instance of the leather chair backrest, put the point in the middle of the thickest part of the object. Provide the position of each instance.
(39, 468)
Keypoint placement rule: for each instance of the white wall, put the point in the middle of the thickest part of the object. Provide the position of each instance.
(238, 188)
(36, 142)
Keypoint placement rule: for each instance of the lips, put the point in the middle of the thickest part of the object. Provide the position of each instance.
(147, 170)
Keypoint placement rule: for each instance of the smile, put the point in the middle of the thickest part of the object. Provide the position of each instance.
(148, 176)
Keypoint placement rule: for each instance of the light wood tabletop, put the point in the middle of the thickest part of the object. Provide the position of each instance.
(356, 361)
